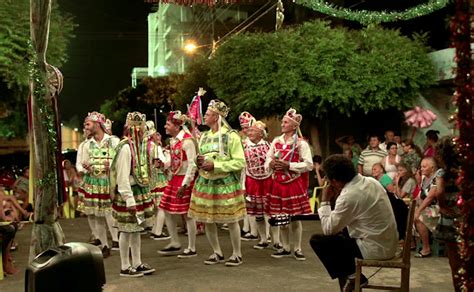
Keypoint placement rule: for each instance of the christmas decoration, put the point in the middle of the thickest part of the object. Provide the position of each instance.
(462, 98)
(366, 17)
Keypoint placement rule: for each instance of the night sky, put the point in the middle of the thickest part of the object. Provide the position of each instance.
(111, 39)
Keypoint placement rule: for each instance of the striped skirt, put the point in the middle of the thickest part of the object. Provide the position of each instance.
(217, 201)
(290, 199)
(96, 194)
(257, 191)
(126, 222)
(170, 202)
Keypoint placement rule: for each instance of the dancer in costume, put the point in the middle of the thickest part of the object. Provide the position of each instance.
(94, 159)
(249, 226)
(177, 194)
(133, 203)
(290, 158)
(217, 195)
(158, 180)
(258, 181)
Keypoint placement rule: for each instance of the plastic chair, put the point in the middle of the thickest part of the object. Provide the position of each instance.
(399, 262)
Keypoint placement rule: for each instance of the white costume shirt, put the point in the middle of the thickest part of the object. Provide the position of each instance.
(364, 208)
(306, 160)
(124, 179)
(83, 149)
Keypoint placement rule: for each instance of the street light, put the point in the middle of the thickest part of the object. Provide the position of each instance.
(190, 48)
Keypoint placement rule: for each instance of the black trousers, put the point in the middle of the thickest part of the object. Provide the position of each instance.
(337, 253)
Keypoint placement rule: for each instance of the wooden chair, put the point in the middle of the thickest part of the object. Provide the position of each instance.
(401, 262)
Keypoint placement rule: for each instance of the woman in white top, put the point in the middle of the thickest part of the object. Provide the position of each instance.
(391, 161)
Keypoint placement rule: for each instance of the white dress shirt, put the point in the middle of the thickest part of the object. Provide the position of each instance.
(364, 208)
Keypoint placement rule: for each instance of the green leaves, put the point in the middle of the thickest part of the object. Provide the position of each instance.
(316, 69)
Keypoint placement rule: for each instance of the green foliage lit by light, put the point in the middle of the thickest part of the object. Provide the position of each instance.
(14, 59)
(317, 69)
(373, 17)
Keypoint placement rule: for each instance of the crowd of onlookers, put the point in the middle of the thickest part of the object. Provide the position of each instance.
(407, 171)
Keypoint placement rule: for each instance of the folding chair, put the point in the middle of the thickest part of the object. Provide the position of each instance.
(401, 262)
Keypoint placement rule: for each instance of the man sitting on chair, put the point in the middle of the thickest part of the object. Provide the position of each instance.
(363, 207)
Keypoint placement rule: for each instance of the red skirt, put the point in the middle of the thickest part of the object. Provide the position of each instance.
(256, 191)
(289, 198)
(170, 201)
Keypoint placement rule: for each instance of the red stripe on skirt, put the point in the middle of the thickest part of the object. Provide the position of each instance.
(170, 201)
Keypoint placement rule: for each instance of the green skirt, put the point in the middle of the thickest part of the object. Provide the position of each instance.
(95, 192)
(126, 222)
(217, 201)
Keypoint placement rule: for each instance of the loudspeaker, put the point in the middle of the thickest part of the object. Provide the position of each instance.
(74, 266)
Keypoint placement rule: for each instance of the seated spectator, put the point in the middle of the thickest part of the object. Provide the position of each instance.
(12, 208)
(411, 155)
(21, 188)
(7, 234)
(431, 140)
(405, 182)
(316, 175)
(391, 161)
(349, 154)
(427, 210)
(362, 207)
(400, 209)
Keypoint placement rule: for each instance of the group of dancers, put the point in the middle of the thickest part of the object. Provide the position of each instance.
(219, 176)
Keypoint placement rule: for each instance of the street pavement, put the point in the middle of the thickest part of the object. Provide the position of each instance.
(259, 272)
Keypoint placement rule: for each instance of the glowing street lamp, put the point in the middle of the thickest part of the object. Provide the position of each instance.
(190, 48)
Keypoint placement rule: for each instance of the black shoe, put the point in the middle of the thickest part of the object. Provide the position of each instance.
(162, 236)
(248, 237)
(261, 245)
(277, 246)
(350, 283)
(130, 273)
(225, 227)
(145, 269)
(115, 245)
(105, 252)
(169, 250)
(214, 259)
(234, 261)
(187, 253)
(299, 256)
(243, 233)
(95, 242)
(281, 254)
(148, 229)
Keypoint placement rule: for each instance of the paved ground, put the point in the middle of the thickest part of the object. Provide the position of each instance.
(259, 271)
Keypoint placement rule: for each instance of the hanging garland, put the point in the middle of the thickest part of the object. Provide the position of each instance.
(463, 99)
(366, 17)
(47, 119)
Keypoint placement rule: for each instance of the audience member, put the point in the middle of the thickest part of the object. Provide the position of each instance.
(405, 182)
(371, 155)
(431, 139)
(390, 137)
(391, 161)
(362, 206)
(411, 155)
(347, 143)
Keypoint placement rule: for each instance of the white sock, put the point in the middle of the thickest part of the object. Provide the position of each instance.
(172, 224)
(297, 233)
(246, 225)
(159, 222)
(285, 237)
(253, 225)
(124, 245)
(267, 226)
(101, 228)
(234, 231)
(111, 224)
(91, 221)
(261, 231)
(135, 246)
(275, 234)
(191, 226)
(211, 234)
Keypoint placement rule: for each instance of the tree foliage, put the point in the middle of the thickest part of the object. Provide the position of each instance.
(14, 71)
(150, 94)
(317, 69)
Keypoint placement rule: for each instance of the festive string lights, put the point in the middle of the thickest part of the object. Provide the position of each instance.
(372, 17)
(462, 98)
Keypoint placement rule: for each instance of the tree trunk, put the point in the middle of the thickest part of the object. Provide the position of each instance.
(46, 230)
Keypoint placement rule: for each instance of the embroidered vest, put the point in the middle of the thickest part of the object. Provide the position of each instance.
(100, 157)
(178, 156)
(255, 155)
(139, 167)
(283, 152)
(209, 147)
